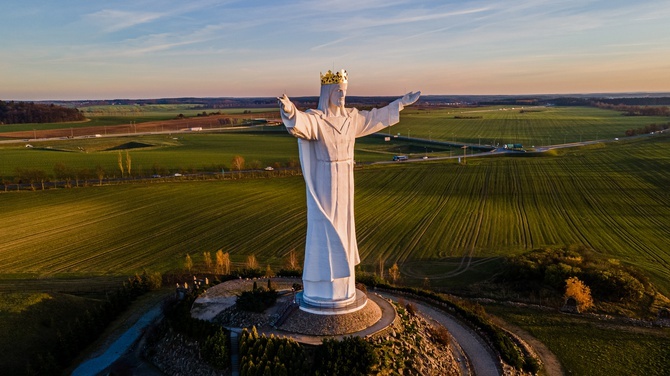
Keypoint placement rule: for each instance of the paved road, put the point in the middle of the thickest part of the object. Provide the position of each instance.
(483, 362)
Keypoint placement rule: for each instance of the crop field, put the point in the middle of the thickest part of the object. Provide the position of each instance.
(505, 125)
(179, 152)
(175, 153)
(99, 116)
(610, 197)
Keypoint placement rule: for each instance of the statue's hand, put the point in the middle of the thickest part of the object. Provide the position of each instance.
(410, 98)
(284, 103)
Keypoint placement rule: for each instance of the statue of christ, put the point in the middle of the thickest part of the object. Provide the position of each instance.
(326, 137)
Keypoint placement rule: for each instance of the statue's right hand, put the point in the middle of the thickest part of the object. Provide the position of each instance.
(284, 103)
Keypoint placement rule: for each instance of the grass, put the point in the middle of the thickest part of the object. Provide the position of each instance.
(172, 152)
(590, 346)
(504, 125)
(178, 152)
(29, 322)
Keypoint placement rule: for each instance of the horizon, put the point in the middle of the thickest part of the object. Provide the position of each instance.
(586, 95)
(66, 51)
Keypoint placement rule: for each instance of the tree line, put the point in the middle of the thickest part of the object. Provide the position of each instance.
(29, 112)
(550, 269)
(630, 110)
(69, 177)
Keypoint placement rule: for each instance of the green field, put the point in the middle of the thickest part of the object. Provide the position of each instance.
(180, 152)
(609, 197)
(591, 346)
(504, 125)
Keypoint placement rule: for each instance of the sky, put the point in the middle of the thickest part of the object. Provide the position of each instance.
(73, 50)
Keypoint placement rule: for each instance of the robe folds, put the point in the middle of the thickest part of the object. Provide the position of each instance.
(326, 147)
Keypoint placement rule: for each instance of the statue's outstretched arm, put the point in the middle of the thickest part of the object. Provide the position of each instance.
(286, 107)
(410, 98)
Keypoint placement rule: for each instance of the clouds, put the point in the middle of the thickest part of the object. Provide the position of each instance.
(265, 47)
(114, 20)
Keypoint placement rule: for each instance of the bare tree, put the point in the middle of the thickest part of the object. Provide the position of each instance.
(120, 161)
(188, 263)
(292, 261)
(238, 164)
(381, 267)
(128, 162)
(222, 262)
(394, 272)
(252, 263)
(100, 173)
(207, 258)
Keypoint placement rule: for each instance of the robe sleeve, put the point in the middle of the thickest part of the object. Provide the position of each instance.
(379, 118)
(300, 124)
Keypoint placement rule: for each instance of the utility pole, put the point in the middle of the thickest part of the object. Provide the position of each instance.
(465, 148)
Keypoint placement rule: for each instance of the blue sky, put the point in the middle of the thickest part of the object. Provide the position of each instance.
(148, 49)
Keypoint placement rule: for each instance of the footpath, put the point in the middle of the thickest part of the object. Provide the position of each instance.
(119, 347)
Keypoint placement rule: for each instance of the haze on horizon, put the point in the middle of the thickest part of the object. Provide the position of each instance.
(205, 48)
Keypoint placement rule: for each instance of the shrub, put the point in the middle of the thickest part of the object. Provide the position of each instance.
(351, 356)
(289, 273)
(249, 273)
(576, 289)
(440, 334)
(256, 300)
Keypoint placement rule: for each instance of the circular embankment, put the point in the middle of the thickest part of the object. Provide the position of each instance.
(217, 304)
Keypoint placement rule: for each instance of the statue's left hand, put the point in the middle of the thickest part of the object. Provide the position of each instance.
(410, 98)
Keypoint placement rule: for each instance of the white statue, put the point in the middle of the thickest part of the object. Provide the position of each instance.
(326, 139)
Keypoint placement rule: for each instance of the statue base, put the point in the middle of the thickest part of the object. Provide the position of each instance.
(332, 307)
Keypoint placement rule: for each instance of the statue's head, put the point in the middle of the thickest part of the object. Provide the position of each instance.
(333, 89)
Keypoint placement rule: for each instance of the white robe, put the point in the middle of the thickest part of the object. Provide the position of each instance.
(326, 146)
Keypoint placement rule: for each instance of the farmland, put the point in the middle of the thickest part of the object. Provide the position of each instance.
(122, 115)
(609, 197)
(534, 126)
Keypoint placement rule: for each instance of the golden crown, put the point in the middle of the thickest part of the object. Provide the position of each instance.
(330, 78)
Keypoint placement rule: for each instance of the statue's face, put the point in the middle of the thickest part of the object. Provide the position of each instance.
(338, 94)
